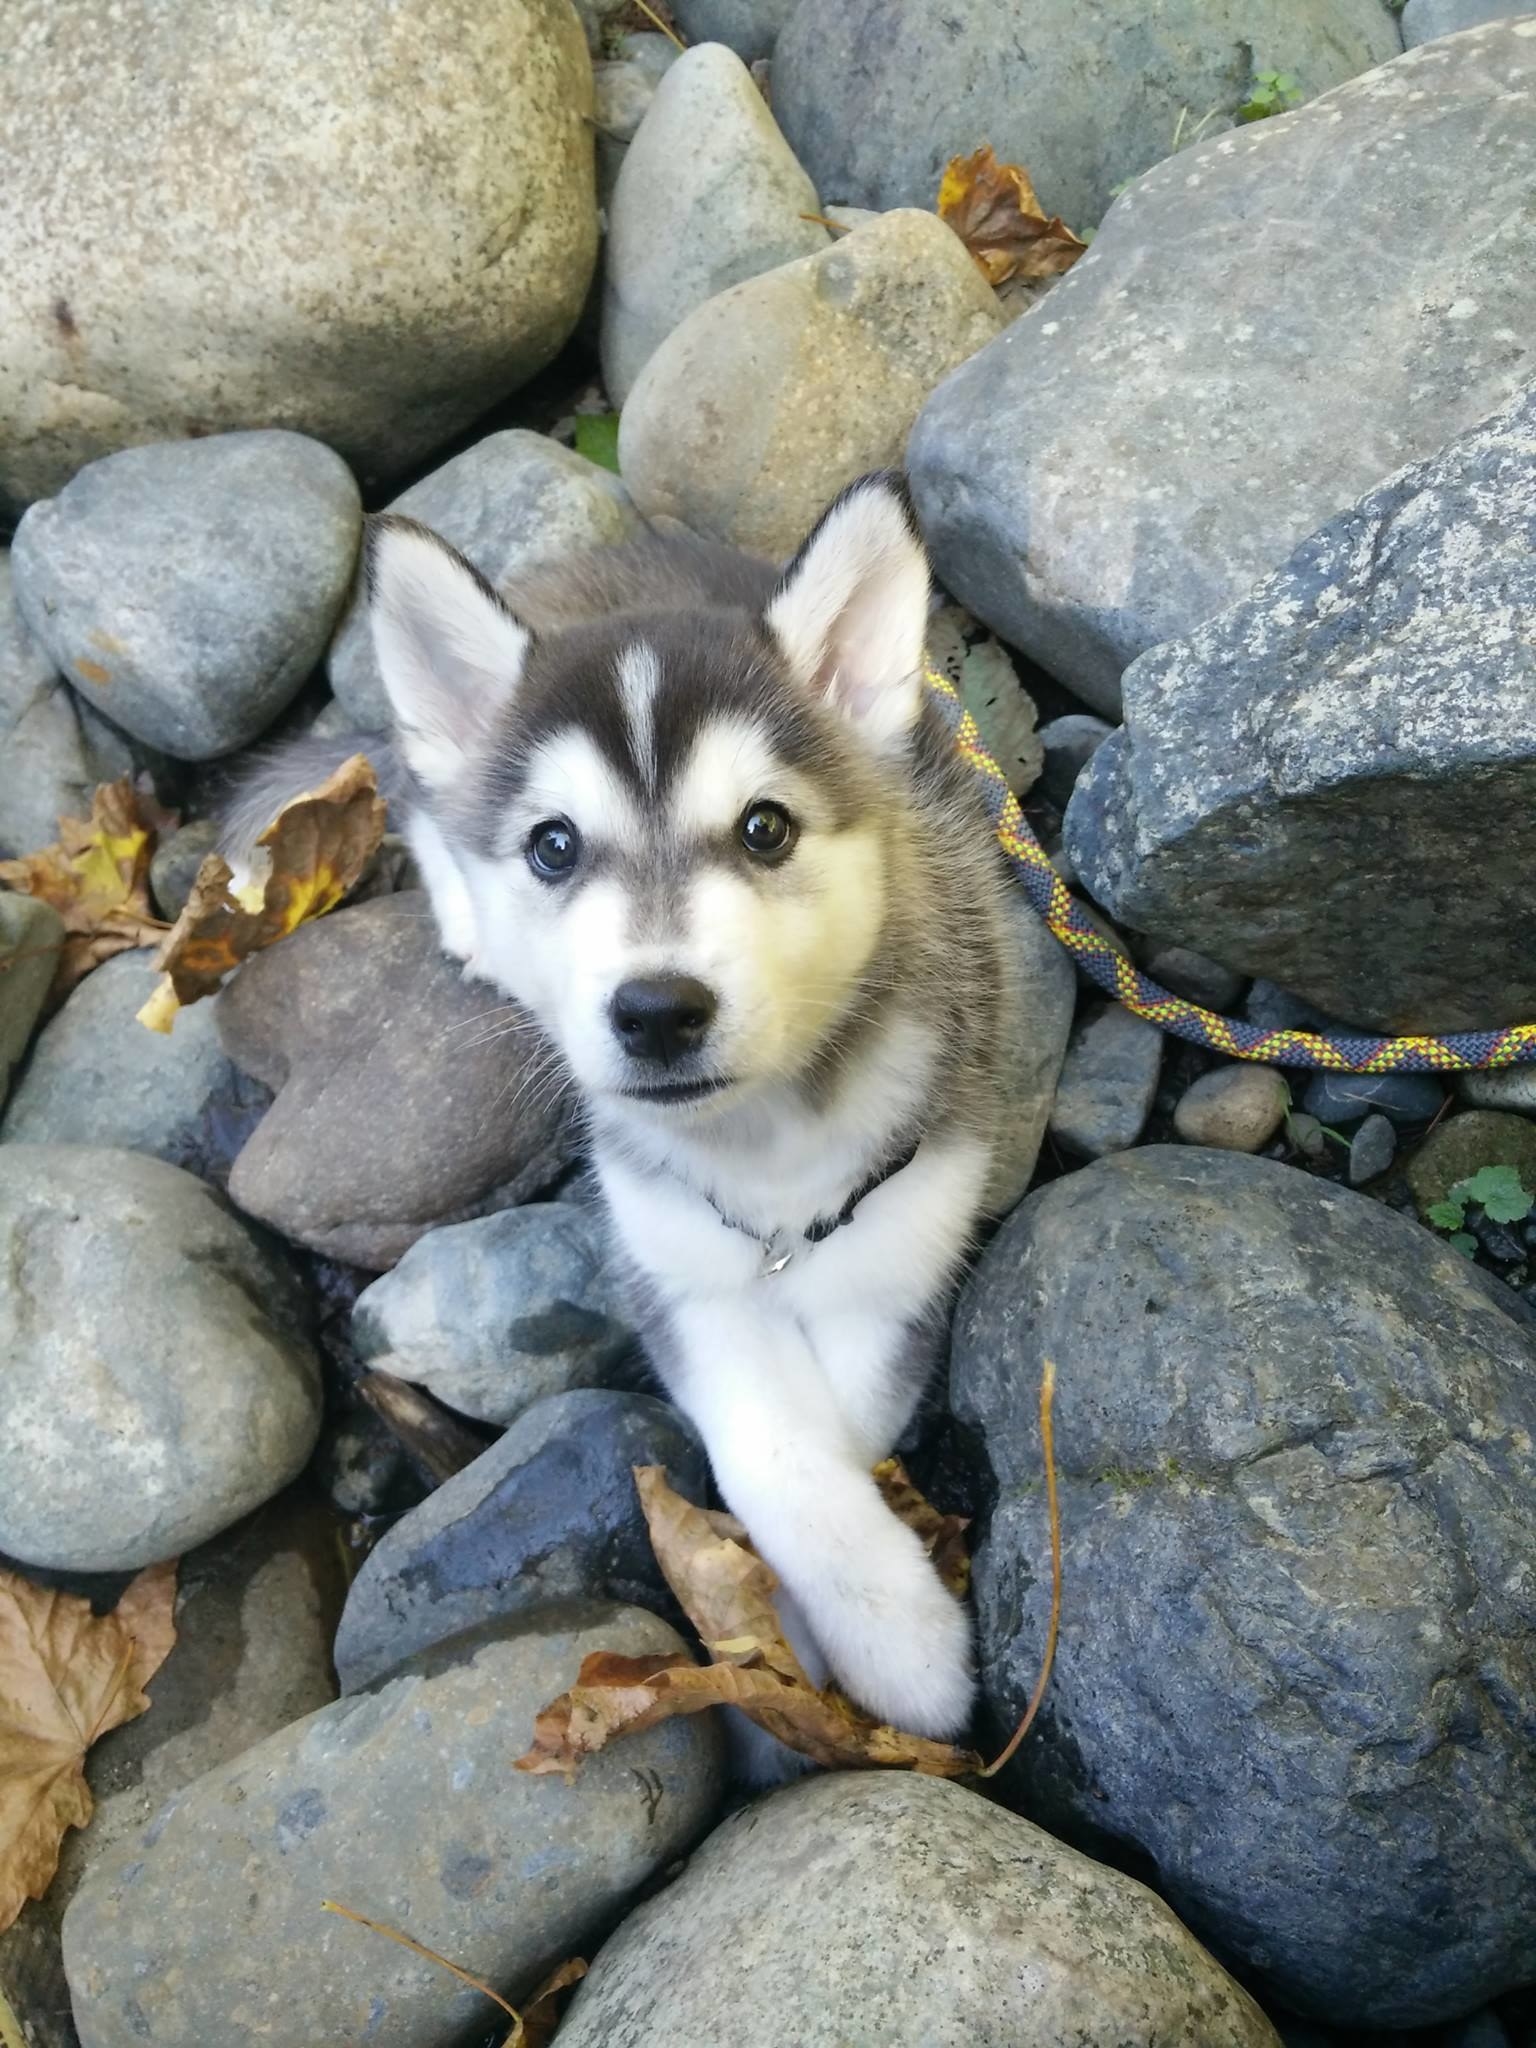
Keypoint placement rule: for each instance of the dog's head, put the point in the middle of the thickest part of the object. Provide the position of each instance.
(672, 823)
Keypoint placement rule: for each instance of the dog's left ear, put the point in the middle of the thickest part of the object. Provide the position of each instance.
(851, 611)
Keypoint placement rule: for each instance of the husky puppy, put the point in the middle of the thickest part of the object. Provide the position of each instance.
(698, 818)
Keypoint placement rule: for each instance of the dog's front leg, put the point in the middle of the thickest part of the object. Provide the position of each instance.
(792, 1469)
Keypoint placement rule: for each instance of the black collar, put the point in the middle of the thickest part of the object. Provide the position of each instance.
(779, 1249)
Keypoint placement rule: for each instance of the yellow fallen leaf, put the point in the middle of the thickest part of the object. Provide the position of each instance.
(993, 209)
(943, 1536)
(66, 1677)
(310, 857)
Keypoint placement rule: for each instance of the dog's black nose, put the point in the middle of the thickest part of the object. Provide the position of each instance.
(662, 1019)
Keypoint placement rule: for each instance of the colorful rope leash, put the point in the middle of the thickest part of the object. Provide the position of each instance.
(1050, 896)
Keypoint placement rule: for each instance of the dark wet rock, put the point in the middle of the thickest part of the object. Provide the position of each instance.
(1070, 743)
(548, 1513)
(1410, 1100)
(207, 1926)
(177, 860)
(1194, 976)
(1108, 1080)
(1294, 1433)
(388, 1118)
(874, 1907)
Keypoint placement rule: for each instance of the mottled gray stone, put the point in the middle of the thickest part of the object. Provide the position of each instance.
(1236, 1109)
(749, 27)
(766, 400)
(1108, 1080)
(1070, 743)
(390, 1116)
(187, 589)
(30, 934)
(513, 499)
(98, 1077)
(387, 214)
(1500, 1088)
(622, 91)
(1131, 457)
(158, 1379)
(208, 1927)
(875, 1908)
(1046, 998)
(548, 1513)
(1424, 20)
(709, 194)
(1371, 1150)
(877, 98)
(494, 1315)
(1309, 785)
(1294, 1438)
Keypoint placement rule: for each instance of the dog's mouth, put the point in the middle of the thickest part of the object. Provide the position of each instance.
(668, 1093)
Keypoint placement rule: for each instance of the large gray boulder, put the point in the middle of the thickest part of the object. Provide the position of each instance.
(512, 500)
(366, 224)
(207, 1926)
(877, 98)
(1295, 1435)
(1333, 784)
(1263, 329)
(156, 1375)
(879, 1910)
(188, 589)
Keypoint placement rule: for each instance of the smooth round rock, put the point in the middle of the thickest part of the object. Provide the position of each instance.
(1372, 1149)
(1462, 1145)
(766, 400)
(1194, 976)
(156, 1374)
(1237, 1108)
(548, 1513)
(176, 862)
(97, 1077)
(709, 194)
(1511, 1088)
(188, 589)
(1410, 1100)
(749, 27)
(510, 501)
(1294, 1435)
(873, 1909)
(368, 224)
(207, 1926)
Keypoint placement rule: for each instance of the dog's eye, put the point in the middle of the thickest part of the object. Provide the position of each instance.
(766, 830)
(553, 848)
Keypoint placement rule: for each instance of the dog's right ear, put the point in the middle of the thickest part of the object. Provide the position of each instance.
(449, 651)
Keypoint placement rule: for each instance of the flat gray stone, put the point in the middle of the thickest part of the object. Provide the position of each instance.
(1424, 20)
(493, 1315)
(1129, 458)
(873, 1907)
(512, 500)
(1108, 1081)
(188, 589)
(1046, 997)
(98, 1077)
(30, 934)
(709, 194)
(1294, 1437)
(548, 1513)
(387, 220)
(877, 98)
(391, 1115)
(1371, 1150)
(207, 1926)
(1352, 740)
(158, 1379)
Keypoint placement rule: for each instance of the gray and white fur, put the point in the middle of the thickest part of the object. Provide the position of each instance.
(697, 818)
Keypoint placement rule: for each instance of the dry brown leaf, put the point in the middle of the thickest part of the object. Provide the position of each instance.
(312, 854)
(943, 1536)
(993, 209)
(66, 1677)
(726, 1591)
(96, 876)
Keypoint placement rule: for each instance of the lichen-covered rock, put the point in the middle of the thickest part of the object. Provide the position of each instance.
(513, 499)
(387, 213)
(1295, 1436)
(188, 589)
(709, 194)
(208, 1926)
(156, 1374)
(1131, 457)
(1352, 740)
(878, 1910)
(766, 400)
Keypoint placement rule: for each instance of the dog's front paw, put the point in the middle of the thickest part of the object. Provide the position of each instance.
(902, 1650)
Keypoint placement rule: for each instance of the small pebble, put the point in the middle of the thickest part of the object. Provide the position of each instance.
(1070, 743)
(1372, 1149)
(174, 867)
(1193, 976)
(1410, 1100)
(1108, 1080)
(1236, 1108)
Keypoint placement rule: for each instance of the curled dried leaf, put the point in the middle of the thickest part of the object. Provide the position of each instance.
(993, 209)
(943, 1536)
(309, 858)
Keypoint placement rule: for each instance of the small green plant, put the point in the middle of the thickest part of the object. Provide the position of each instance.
(1273, 92)
(597, 438)
(1497, 1190)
